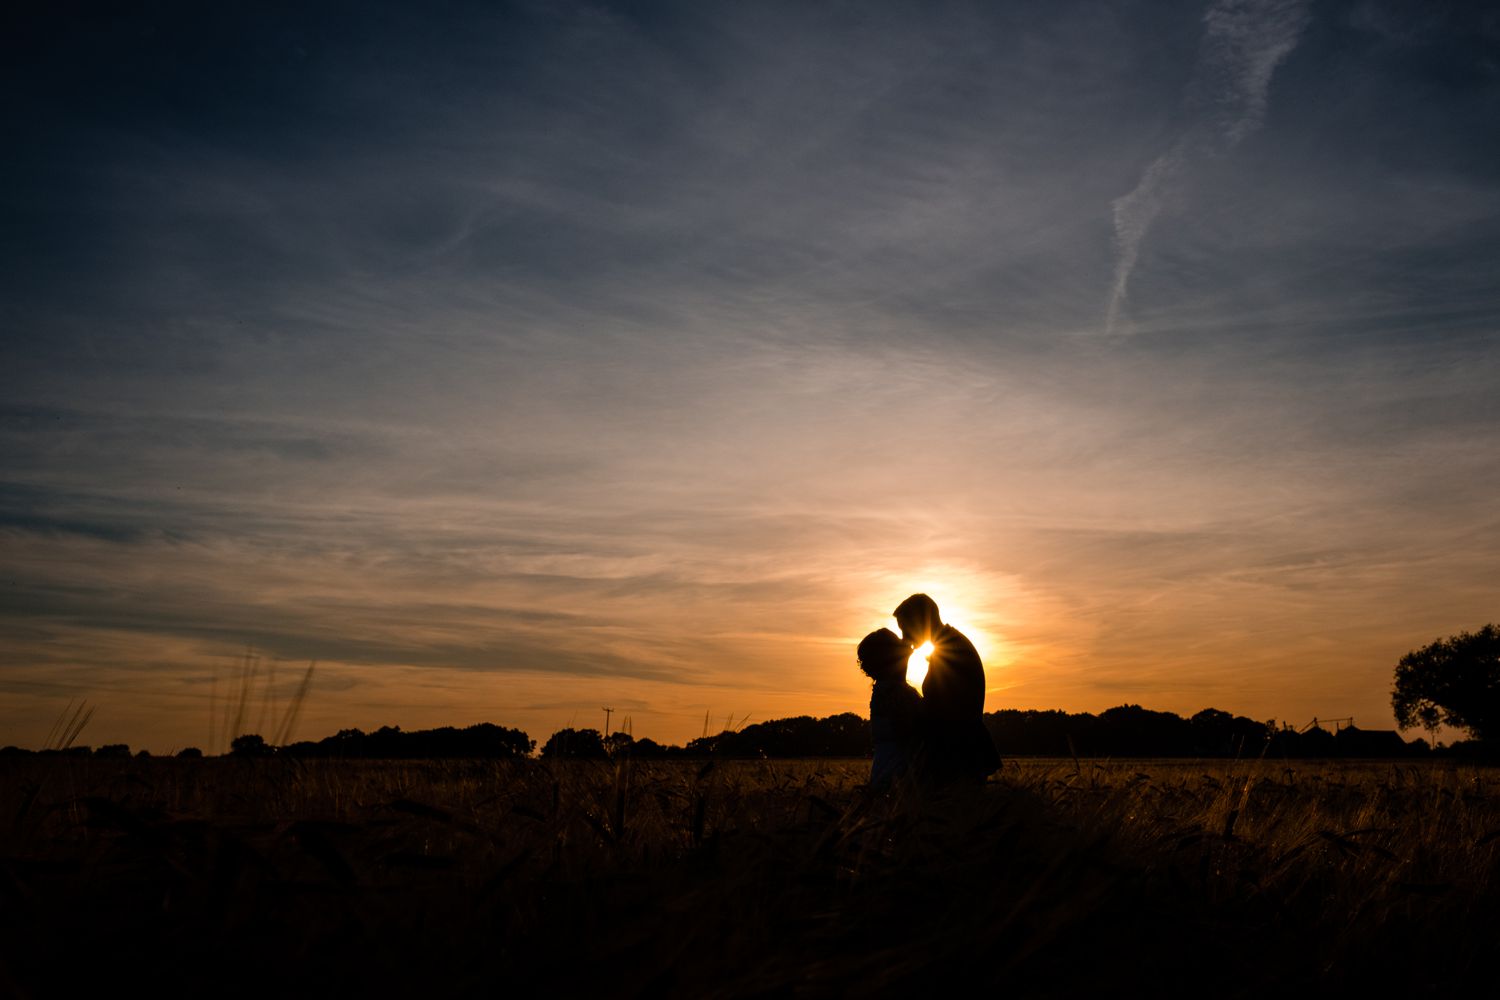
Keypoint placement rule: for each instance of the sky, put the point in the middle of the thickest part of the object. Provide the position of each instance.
(514, 361)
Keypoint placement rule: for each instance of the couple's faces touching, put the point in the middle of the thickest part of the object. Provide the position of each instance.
(918, 619)
(914, 631)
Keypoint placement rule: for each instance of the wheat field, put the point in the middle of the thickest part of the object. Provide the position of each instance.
(740, 878)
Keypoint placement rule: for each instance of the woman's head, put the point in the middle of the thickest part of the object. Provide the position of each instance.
(882, 654)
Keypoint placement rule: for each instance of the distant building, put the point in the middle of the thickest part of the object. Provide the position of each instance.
(1317, 742)
(1354, 742)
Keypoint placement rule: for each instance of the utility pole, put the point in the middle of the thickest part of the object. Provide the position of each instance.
(607, 713)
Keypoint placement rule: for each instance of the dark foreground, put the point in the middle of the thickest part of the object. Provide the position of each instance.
(274, 877)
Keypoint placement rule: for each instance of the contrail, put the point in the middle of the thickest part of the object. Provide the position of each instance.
(1243, 43)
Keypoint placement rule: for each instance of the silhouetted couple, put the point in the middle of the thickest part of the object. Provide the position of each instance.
(937, 736)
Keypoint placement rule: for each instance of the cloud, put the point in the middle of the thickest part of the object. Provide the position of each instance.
(554, 355)
(1243, 42)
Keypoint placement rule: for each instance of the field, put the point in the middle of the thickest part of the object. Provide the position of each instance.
(278, 877)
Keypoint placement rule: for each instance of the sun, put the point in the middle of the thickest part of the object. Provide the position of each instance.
(916, 664)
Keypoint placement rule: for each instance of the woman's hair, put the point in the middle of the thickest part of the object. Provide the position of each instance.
(878, 650)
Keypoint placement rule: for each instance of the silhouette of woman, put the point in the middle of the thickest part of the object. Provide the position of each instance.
(896, 712)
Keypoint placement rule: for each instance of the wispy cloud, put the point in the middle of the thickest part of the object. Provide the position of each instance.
(556, 354)
(1243, 42)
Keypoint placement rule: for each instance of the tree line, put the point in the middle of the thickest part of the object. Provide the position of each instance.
(1453, 681)
(1125, 731)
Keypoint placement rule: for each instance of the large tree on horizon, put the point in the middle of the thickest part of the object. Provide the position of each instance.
(1453, 681)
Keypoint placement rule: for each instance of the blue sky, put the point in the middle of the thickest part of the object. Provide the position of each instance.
(513, 360)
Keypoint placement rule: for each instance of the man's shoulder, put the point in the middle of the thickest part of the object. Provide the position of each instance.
(950, 638)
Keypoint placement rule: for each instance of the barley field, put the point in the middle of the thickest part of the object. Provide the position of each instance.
(738, 878)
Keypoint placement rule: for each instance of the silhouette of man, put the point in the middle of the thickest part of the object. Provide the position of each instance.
(958, 745)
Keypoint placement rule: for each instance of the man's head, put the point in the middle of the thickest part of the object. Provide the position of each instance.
(918, 618)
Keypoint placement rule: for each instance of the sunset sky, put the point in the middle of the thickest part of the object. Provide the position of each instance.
(513, 361)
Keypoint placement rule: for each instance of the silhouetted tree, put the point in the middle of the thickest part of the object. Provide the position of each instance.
(1219, 734)
(484, 740)
(844, 735)
(190, 752)
(1211, 732)
(648, 749)
(250, 745)
(1453, 681)
(117, 750)
(1126, 731)
(582, 743)
(1030, 732)
(384, 742)
(1133, 731)
(618, 744)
